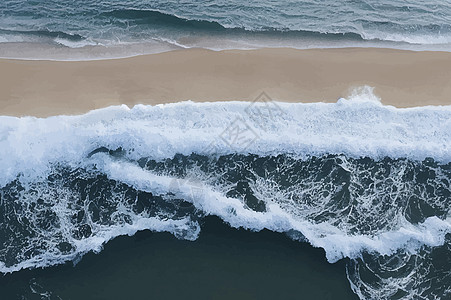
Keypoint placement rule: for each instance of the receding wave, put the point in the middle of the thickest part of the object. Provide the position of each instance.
(71, 40)
(44, 33)
(363, 181)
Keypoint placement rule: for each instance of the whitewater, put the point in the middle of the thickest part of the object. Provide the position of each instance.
(357, 178)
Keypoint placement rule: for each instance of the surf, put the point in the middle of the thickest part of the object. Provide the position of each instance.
(357, 178)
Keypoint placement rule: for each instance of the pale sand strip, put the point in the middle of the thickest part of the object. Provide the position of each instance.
(400, 78)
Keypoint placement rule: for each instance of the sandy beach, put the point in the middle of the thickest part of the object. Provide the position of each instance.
(400, 78)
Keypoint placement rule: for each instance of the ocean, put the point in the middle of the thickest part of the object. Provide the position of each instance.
(368, 184)
(60, 29)
(263, 199)
(221, 264)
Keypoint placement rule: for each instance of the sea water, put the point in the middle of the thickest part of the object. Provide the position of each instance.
(365, 182)
(33, 29)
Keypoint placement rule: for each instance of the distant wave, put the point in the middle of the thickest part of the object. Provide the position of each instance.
(125, 26)
(153, 17)
(231, 24)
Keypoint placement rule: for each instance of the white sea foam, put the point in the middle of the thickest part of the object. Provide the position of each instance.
(106, 233)
(419, 39)
(357, 126)
(74, 44)
(334, 241)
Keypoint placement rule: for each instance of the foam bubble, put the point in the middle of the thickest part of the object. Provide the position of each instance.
(74, 44)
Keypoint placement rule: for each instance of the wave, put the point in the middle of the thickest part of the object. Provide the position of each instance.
(231, 25)
(357, 178)
(358, 126)
(161, 31)
(157, 18)
(71, 40)
(44, 33)
(138, 22)
(153, 17)
(281, 217)
(366, 31)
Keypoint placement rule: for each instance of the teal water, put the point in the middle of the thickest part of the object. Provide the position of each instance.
(218, 24)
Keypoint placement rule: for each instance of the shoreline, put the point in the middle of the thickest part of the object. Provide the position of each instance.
(400, 78)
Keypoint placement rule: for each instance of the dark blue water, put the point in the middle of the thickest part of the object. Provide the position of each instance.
(49, 222)
(223, 263)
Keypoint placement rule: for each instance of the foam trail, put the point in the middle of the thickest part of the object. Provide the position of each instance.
(335, 242)
(96, 243)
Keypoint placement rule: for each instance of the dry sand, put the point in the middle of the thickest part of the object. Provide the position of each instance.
(400, 78)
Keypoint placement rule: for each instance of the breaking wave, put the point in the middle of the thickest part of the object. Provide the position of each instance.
(363, 181)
